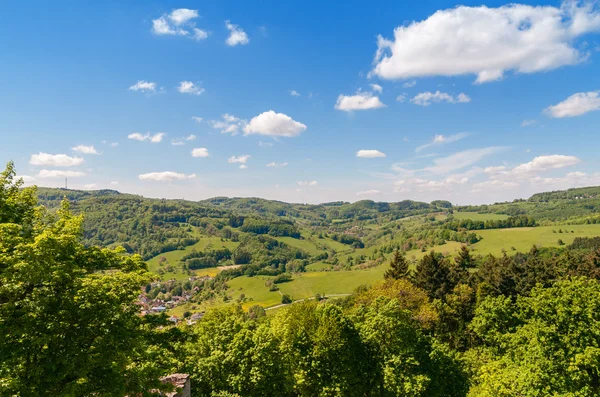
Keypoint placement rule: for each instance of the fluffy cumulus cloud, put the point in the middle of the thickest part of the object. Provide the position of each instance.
(308, 183)
(237, 36)
(187, 87)
(575, 105)
(487, 42)
(154, 138)
(229, 124)
(546, 163)
(200, 152)
(143, 86)
(427, 98)
(179, 22)
(442, 139)
(55, 160)
(274, 124)
(243, 159)
(51, 174)
(358, 101)
(165, 176)
(84, 149)
(369, 154)
(371, 192)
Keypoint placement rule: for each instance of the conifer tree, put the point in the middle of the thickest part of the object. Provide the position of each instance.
(398, 267)
(433, 275)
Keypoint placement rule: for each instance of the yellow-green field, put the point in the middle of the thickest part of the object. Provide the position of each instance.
(523, 238)
(173, 258)
(479, 217)
(304, 285)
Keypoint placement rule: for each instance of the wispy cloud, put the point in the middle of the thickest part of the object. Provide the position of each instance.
(442, 139)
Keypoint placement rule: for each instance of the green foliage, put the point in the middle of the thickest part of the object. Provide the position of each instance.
(68, 314)
(545, 344)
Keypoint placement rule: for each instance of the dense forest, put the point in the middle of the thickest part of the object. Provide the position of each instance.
(72, 274)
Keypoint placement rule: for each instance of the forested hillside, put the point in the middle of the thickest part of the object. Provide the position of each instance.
(524, 323)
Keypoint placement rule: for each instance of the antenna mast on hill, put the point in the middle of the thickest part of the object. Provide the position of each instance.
(65, 183)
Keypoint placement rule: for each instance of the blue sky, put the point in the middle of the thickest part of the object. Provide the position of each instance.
(378, 100)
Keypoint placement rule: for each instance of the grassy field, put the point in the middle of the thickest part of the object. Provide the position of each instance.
(304, 285)
(173, 258)
(479, 217)
(523, 238)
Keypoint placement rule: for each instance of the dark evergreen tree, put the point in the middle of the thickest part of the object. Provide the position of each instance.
(398, 267)
(433, 275)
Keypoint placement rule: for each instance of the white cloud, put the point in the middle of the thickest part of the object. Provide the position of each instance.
(308, 183)
(200, 152)
(462, 159)
(545, 163)
(187, 87)
(359, 101)
(200, 34)
(526, 123)
(275, 165)
(409, 84)
(427, 98)
(494, 184)
(274, 124)
(369, 153)
(371, 192)
(165, 176)
(575, 105)
(229, 125)
(236, 35)
(442, 139)
(197, 119)
(487, 41)
(26, 178)
(401, 98)
(85, 149)
(156, 138)
(182, 15)
(182, 141)
(90, 186)
(43, 174)
(265, 144)
(376, 88)
(179, 23)
(495, 170)
(243, 159)
(294, 93)
(143, 86)
(243, 166)
(55, 160)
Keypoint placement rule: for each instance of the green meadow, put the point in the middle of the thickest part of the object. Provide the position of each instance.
(173, 257)
(475, 216)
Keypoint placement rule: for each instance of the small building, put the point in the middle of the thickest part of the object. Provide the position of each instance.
(159, 309)
(182, 384)
(173, 319)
